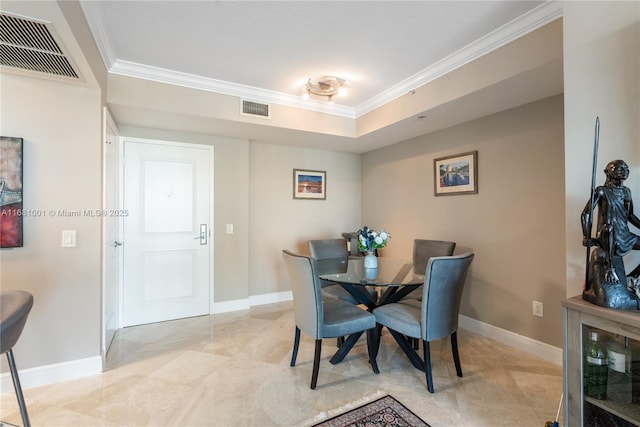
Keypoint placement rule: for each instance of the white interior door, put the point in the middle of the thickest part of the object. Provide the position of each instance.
(167, 250)
(111, 233)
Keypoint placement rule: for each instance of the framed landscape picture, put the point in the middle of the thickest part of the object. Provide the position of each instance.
(456, 174)
(309, 184)
(11, 212)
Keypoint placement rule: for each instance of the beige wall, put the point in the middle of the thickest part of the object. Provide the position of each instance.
(602, 78)
(278, 222)
(61, 127)
(514, 225)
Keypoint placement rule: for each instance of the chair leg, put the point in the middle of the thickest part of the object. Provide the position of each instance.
(416, 343)
(296, 343)
(427, 365)
(18, 388)
(316, 364)
(372, 347)
(378, 338)
(454, 350)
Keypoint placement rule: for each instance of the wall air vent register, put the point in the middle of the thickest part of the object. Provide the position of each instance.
(255, 109)
(31, 45)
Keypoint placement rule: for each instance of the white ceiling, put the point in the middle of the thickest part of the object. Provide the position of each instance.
(266, 50)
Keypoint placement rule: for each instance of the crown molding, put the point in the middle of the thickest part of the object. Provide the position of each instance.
(530, 21)
(161, 75)
(92, 14)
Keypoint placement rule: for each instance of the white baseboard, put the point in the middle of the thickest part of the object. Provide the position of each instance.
(227, 306)
(271, 298)
(536, 348)
(253, 300)
(43, 375)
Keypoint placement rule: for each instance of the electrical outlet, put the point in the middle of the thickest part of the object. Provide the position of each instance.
(538, 309)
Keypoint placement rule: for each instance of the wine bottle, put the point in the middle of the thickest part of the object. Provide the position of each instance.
(596, 366)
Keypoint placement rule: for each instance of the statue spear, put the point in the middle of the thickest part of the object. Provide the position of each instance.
(593, 189)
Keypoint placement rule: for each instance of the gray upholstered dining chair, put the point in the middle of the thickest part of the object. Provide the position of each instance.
(352, 240)
(331, 249)
(423, 249)
(331, 318)
(435, 317)
(14, 310)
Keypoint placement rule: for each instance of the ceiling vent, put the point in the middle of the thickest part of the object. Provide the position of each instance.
(30, 45)
(255, 109)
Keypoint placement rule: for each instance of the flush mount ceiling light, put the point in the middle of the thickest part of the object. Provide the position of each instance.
(328, 86)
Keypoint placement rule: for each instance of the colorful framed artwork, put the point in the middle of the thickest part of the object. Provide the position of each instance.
(11, 209)
(456, 174)
(309, 184)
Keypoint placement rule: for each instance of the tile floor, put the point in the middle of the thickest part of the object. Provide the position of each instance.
(233, 369)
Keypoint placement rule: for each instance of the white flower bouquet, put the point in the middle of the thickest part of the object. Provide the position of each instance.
(369, 240)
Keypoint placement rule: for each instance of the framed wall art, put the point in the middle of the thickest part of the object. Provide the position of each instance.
(11, 209)
(309, 184)
(456, 174)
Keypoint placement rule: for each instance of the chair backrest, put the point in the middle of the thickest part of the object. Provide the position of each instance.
(307, 300)
(328, 249)
(424, 249)
(441, 294)
(14, 310)
(352, 238)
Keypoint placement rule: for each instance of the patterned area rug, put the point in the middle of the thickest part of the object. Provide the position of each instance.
(383, 412)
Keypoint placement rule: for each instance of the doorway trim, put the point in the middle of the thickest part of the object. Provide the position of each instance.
(110, 129)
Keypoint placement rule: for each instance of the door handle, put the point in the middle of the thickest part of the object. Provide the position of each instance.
(116, 244)
(203, 234)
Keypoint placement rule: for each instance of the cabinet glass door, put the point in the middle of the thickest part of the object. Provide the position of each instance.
(611, 379)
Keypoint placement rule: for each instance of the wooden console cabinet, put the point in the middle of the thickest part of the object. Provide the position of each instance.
(579, 316)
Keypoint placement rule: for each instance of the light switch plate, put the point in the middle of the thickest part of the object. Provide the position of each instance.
(229, 228)
(68, 238)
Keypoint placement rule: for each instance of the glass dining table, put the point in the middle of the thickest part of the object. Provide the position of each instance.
(392, 280)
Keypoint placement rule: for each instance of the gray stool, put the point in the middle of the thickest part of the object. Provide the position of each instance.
(14, 309)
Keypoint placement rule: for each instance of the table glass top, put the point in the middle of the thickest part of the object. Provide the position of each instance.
(390, 272)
